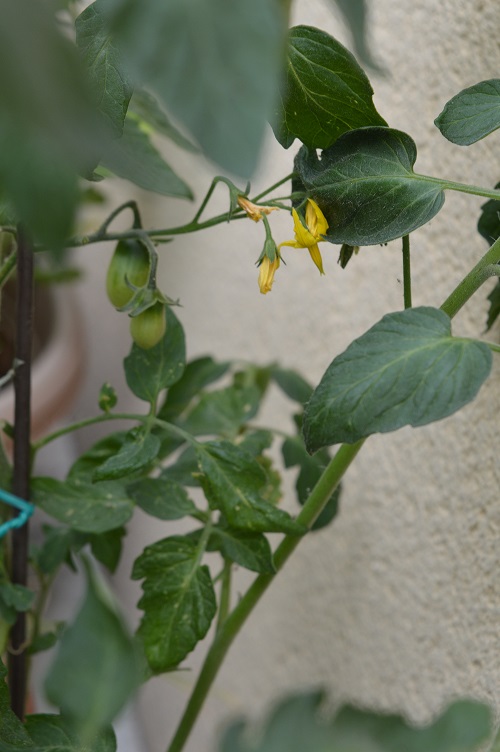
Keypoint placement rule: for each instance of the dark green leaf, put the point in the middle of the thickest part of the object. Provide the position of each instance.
(17, 596)
(90, 508)
(178, 601)
(13, 734)
(103, 60)
(472, 114)
(405, 370)
(107, 547)
(198, 374)
(181, 51)
(139, 451)
(51, 733)
(223, 412)
(56, 548)
(325, 94)
(292, 384)
(249, 550)
(146, 107)
(44, 641)
(184, 470)
(96, 668)
(162, 498)
(233, 482)
(149, 372)
(366, 187)
(494, 310)
(297, 724)
(133, 157)
(489, 220)
(311, 469)
(85, 466)
(49, 129)
(256, 442)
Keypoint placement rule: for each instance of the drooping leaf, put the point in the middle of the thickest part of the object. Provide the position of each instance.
(181, 51)
(105, 67)
(406, 370)
(249, 550)
(223, 412)
(49, 129)
(87, 507)
(178, 602)
(149, 372)
(147, 108)
(139, 451)
(233, 482)
(96, 668)
(133, 157)
(325, 92)
(472, 114)
(85, 466)
(367, 189)
(198, 374)
(297, 724)
(292, 384)
(52, 733)
(311, 469)
(161, 497)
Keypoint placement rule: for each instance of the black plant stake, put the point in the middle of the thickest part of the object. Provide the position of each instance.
(22, 461)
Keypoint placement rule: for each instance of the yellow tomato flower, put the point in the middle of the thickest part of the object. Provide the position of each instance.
(267, 270)
(309, 237)
(254, 211)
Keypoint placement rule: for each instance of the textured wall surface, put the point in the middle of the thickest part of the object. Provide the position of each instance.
(396, 605)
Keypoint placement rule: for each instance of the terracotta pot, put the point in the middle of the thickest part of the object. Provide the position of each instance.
(58, 355)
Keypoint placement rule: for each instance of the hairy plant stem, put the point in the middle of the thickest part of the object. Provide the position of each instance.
(232, 625)
(488, 266)
(406, 272)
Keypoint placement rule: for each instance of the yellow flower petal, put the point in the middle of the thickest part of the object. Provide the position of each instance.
(254, 211)
(315, 219)
(302, 235)
(267, 271)
(316, 257)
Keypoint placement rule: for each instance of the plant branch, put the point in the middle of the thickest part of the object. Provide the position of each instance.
(406, 272)
(488, 266)
(223, 640)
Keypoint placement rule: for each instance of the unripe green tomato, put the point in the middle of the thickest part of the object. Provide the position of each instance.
(148, 327)
(130, 261)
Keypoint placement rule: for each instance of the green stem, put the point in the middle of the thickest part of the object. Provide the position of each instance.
(228, 631)
(451, 185)
(225, 594)
(487, 267)
(8, 267)
(406, 271)
(273, 187)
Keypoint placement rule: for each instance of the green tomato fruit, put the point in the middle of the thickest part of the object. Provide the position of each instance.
(148, 327)
(130, 262)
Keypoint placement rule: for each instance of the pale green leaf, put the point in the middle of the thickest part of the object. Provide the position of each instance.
(406, 370)
(325, 92)
(105, 67)
(472, 114)
(87, 507)
(96, 668)
(133, 157)
(214, 64)
(367, 189)
(161, 497)
(178, 601)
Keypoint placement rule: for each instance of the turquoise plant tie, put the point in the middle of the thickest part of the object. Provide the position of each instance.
(26, 509)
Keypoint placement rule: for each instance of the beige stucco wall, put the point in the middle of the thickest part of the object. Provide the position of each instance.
(396, 605)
